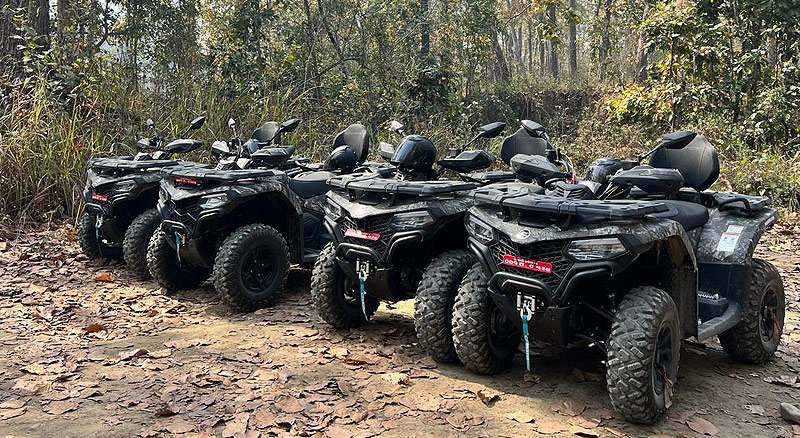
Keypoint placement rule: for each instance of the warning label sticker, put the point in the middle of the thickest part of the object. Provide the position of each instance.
(729, 239)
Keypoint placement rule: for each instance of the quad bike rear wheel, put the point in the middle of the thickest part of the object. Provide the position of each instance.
(167, 271)
(137, 237)
(643, 355)
(92, 243)
(756, 338)
(485, 340)
(433, 308)
(251, 267)
(336, 297)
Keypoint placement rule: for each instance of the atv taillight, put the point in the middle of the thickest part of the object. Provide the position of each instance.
(358, 234)
(531, 265)
(99, 197)
(185, 180)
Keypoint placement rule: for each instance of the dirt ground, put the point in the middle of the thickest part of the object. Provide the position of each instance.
(86, 350)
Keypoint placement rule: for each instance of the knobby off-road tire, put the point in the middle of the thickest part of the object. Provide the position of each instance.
(336, 297)
(484, 339)
(137, 237)
(433, 308)
(87, 238)
(251, 267)
(756, 338)
(644, 344)
(163, 265)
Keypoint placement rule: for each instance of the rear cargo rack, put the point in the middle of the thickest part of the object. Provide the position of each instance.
(609, 209)
(374, 183)
(222, 175)
(122, 164)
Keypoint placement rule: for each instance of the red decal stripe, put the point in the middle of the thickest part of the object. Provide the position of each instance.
(358, 234)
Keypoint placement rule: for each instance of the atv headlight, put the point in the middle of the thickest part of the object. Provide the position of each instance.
(412, 221)
(212, 201)
(333, 210)
(163, 195)
(480, 230)
(124, 186)
(595, 249)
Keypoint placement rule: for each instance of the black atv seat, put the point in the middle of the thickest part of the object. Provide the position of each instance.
(309, 185)
(521, 142)
(688, 214)
(697, 162)
(356, 138)
(265, 132)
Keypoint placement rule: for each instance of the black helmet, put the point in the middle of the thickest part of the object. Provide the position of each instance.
(342, 159)
(415, 156)
(602, 169)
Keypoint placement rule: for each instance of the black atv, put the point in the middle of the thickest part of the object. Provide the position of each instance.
(656, 259)
(248, 224)
(121, 195)
(402, 238)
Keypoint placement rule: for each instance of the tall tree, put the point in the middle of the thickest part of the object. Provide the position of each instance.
(551, 12)
(425, 33)
(573, 38)
(641, 50)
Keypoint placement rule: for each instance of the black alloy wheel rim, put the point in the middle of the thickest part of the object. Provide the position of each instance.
(350, 291)
(769, 327)
(662, 360)
(259, 270)
(501, 330)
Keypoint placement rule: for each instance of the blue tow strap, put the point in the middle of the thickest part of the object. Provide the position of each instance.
(178, 247)
(97, 236)
(363, 302)
(525, 317)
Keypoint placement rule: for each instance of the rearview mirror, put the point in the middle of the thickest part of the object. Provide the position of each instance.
(491, 130)
(143, 144)
(151, 124)
(534, 129)
(220, 149)
(197, 123)
(386, 150)
(289, 125)
(231, 123)
(677, 140)
(397, 127)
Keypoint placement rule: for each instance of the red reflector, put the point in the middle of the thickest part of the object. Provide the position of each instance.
(99, 197)
(358, 234)
(531, 265)
(184, 180)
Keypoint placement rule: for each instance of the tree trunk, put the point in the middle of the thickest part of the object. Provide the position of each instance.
(605, 42)
(501, 69)
(641, 52)
(540, 36)
(530, 45)
(573, 41)
(40, 21)
(425, 37)
(551, 11)
(62, 11)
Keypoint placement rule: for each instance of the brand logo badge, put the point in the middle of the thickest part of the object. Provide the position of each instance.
(524, 234)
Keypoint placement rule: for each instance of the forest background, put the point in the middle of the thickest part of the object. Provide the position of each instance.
(78, 78)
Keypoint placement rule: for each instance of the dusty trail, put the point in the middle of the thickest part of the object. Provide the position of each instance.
(85, 350)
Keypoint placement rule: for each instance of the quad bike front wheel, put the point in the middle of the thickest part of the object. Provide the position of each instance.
(756, 338)
(433, 307)
(251, 267)
(485, 340)
(336, 297)
(643, 355)
(92, 243)
(163, 264)
(137, 237)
